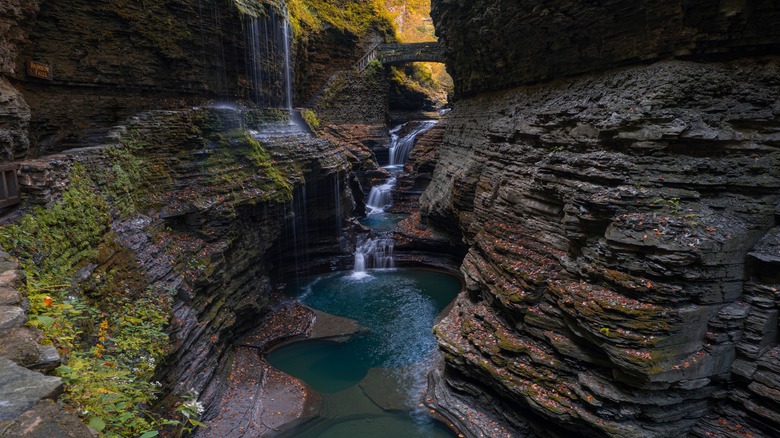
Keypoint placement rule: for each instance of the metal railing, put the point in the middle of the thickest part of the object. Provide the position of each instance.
(391, 53)
(372, 53)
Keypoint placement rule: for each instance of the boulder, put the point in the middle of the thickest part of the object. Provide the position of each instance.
(20, 389)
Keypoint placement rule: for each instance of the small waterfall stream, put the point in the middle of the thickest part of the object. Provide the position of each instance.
(381, 197)
(269, 59)
(288, 96)
(401, 146)
(376, 251)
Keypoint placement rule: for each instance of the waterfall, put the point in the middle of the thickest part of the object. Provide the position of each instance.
(373, 253)
(376, 252)
(287, 69)
(400, 147)
(337, 194)
(269, 60)
(381, 197)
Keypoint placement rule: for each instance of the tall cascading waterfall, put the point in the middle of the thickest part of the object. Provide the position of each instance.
(287, 69)
(270, 69)
(269, 59)
(377, 251)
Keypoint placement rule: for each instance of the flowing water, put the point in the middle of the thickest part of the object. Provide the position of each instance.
(269, 59)
(380, 198)
(401, 146)
(371, 384)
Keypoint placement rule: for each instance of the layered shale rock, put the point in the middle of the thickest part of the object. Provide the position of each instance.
(620, 274)
(16, 18)
(206, 212)
(495, 44)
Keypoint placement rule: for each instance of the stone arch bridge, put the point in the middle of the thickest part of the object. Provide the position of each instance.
(401, 53)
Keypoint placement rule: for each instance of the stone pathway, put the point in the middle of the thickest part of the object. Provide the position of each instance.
(26, 394)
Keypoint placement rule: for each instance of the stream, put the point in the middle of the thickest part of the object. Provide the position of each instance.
(372, 383)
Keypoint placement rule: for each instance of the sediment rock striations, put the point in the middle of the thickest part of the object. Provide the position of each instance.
(210, 214)
(622, 266)
(112, 59)
(497, 44)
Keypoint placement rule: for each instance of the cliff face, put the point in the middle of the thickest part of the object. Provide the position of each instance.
(496, 44)
(620, 279)
(112, 59)
(16, 17)
(207, 214)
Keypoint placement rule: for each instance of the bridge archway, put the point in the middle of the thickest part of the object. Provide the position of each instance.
(402, 53)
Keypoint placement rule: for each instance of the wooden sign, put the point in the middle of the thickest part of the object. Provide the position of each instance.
(38, 70)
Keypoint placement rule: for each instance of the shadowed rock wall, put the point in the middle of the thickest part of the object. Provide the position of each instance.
(494, 44)
(621, 274)
(212, 223)
(16, 18)
(111, 59)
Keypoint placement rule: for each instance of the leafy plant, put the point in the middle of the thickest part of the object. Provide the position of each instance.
(110, 343)
(191, 409)
(353, 16)
(109, 382)
(49, 242)
(310, 117)
(673, 204)
(127, 178)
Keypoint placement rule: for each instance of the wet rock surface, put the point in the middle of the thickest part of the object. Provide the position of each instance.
(255, 399)
(621, 273)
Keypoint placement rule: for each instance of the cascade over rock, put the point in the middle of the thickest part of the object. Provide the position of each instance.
(112, 59)
(622, 272)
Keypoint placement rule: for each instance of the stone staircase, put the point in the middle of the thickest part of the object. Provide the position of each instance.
(27, 395)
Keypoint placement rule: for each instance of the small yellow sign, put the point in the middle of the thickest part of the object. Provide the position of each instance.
(38, 70)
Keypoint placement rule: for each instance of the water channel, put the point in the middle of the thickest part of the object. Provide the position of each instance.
(371, 384)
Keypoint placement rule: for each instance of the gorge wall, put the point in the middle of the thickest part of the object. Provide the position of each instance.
(110, 59)
(622, 270)
(196, 208)
(146, 113)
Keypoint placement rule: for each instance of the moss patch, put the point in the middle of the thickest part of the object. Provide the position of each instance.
(349, 16)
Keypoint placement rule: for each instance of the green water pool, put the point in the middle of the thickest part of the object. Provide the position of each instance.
(371, 383)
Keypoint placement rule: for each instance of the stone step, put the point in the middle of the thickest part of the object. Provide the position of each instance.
(12, 278)
(46, 420)
(21, 389)
(10, 297)
(11, 316)
(22, 346)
